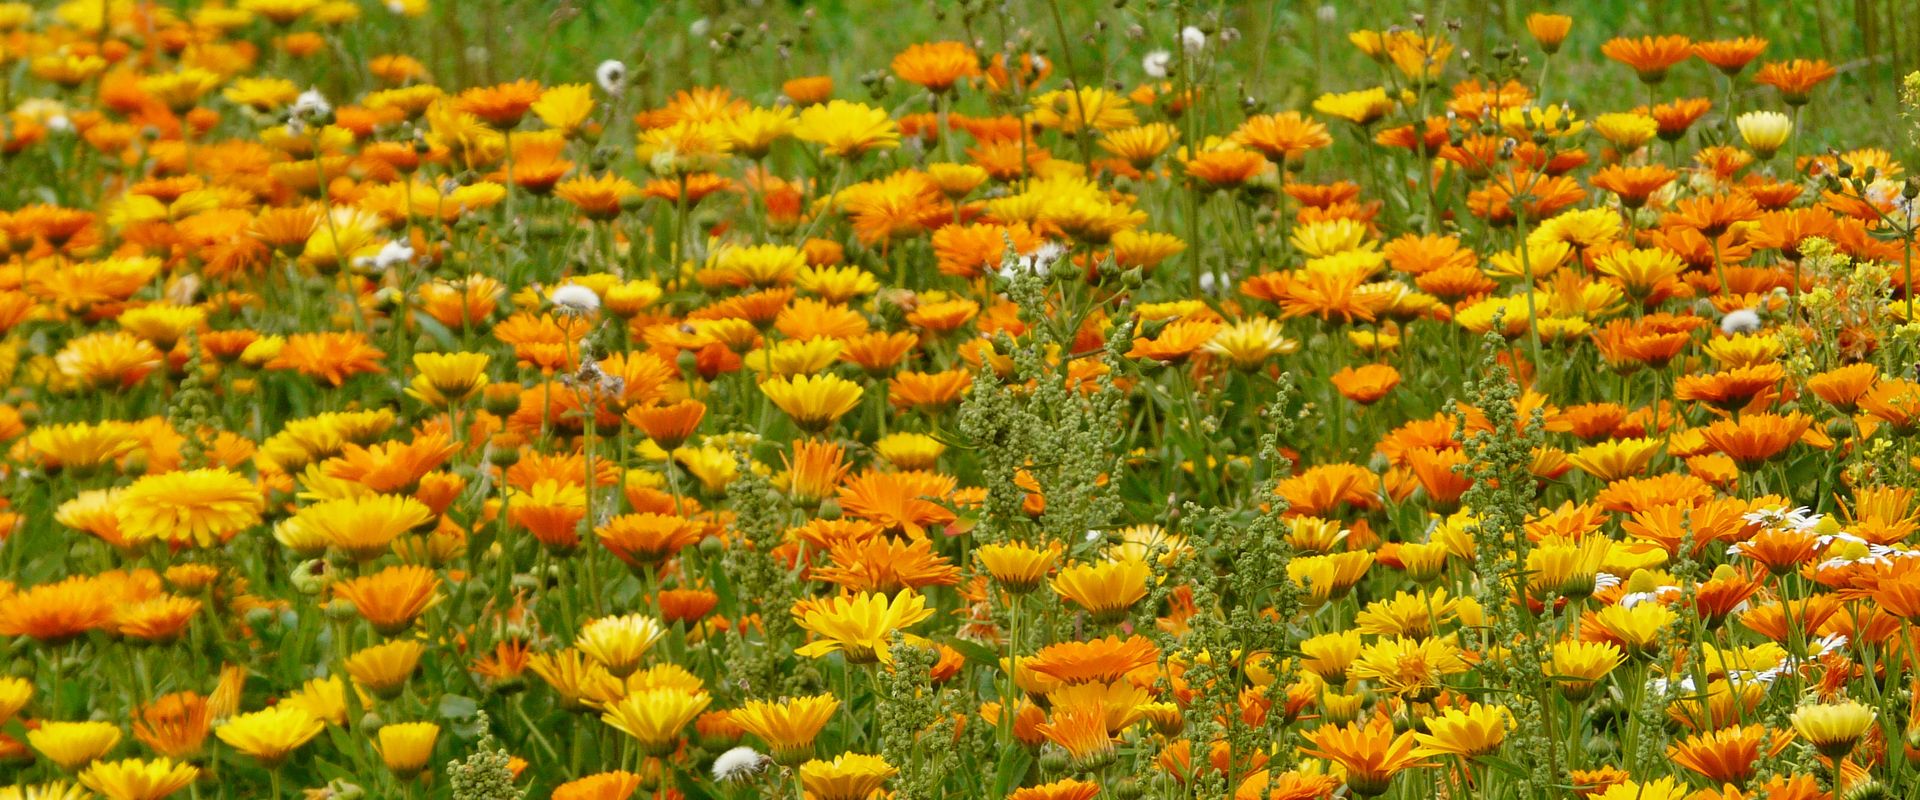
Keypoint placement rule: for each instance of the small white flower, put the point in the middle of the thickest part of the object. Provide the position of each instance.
(1156, 63)
(311, 104)
(1193, 39)
(1215, 282)
(738, 763)
(576, 299)
(1603, 581)
(392, 255)
(700, 27)
(1744, 320)
(1036, 262)
(59, 123)
(1327, 13)
(612, 76)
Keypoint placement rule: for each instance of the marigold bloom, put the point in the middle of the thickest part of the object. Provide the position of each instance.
(194, 508)
(406, 747)
(1730, 56)
(383, 669)
(813, 402)
(1549, 30)
(73, 744)
(1833, 728)
(937, 66)
(1795, 79)
(848, 130)
(790, 726)
(619, 642)
(1465, 732)
(616, 785)
(1366, 384)
(1371, 754)
(1105, 589)
(135, 779)
(655, 717)
(1106, 660)
(1018, 567)
(859, 626)
(1577, 666)
(270, 735)
(1649, 56)
(849, 776)
(392, 598)
(647, 538)
(174, 725)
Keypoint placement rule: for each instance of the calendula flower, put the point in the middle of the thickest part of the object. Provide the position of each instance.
(135, 779)
(406, 747)
(1106, 589)
(72, 744)
(849, 776)
(789, 727)
(655, 717)
(1833, 728)
(196, 508)
(1372, 754)
(813, 402)
(270, 735)
(859, 626)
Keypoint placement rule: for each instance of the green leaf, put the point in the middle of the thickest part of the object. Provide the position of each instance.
(454, 706)
(1014, 763)
(436, 330)
(1503, 765)
(976, 652)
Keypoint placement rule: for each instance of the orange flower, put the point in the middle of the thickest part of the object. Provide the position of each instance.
(670, 424)
(1282, 136)
(1730, 56)
(899, 501)
(648, 539)
(1633, 185)
(1175, 342)
(598, 198)
(502, 105)
(936, 66)
(1650, 56)
(1755, 439)
(1107, 660)
(1730, 754)
(1795, 79)
(1371, 754)
(1366, 384)
(334, 355)
(55, 613)
(1549, 30)
(392, 598)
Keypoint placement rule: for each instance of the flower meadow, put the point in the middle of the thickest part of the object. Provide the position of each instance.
(1007, 422)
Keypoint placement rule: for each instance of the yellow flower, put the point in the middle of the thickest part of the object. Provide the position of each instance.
(655, 717)
(1018, 567)
(1363, 107)
(72, 744)
(14, 694)
(789, 726)
(270, 735)
(859, 626)
(134, 779)
(1638, 628)
(1765, 132)
(618, 643)
(363, 528)
(1627, 132)
(849, 776)
(407, 746)
(753, 132)
(1466, 732)
(1833, 728)
(1614, 459)
(1071, 111)
(201, 507)
(1577, 666)
(847, 129)
(563, 108)
(448, 377)
(1250, 343)
(383, 669)
(1106, 589)
(814, 402)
